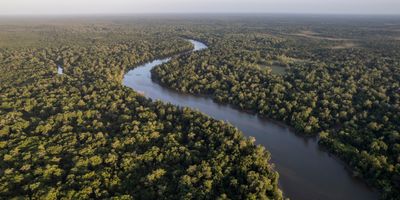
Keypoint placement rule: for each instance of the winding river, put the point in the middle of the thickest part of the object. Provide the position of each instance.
(306, 172)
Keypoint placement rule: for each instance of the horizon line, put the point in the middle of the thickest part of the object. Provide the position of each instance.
(196, 13)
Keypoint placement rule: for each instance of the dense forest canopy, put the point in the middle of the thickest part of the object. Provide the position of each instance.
(83, 135)
(336, 80)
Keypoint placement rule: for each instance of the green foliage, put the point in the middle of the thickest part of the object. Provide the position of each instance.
(350, 96)
(83, 135)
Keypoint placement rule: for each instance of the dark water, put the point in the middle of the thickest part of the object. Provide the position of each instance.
(305, 171)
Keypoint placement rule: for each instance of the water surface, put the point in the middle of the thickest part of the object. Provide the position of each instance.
(306, 172)
(59, 69)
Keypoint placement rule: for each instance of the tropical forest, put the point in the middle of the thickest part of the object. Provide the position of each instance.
(200, 107)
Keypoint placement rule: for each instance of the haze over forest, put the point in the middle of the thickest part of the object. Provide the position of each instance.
(51, 7)
(200, 99)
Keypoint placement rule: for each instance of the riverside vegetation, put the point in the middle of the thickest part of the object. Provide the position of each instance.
(83, 135)
(347, 95)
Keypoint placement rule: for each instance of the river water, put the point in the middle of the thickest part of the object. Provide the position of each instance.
(306, 172)
(59, 70)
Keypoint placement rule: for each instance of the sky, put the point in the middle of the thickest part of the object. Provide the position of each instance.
(62, 7)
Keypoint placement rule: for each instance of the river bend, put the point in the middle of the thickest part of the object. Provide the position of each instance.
(306, 172)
